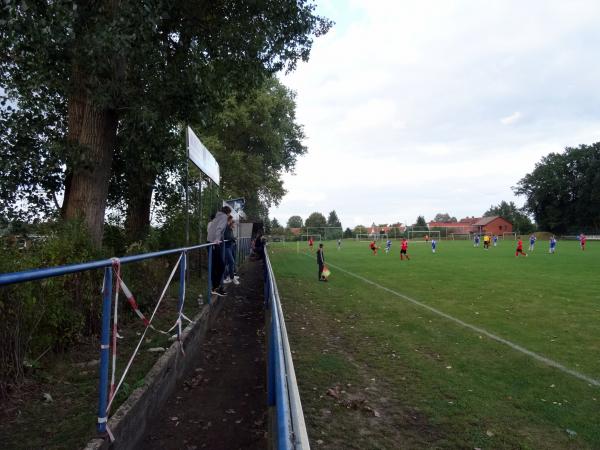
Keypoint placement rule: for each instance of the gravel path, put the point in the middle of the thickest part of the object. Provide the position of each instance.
(222, 403)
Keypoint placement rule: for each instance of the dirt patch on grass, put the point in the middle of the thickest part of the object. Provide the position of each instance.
(347, 404)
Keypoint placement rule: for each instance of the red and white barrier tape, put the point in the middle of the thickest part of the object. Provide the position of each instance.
(117, 271)
(137, 348)
(134, 305)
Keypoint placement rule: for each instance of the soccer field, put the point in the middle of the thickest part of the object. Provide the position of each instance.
(464, 348)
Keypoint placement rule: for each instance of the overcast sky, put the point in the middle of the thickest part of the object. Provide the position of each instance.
(418, 107)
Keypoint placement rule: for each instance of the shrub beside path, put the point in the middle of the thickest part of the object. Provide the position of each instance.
(221, 404)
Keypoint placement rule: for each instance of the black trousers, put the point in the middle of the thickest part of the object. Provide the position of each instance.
(218, 266)
(320, 271)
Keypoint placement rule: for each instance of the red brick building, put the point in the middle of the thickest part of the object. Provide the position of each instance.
(386, 229)
(452, 227)
(483, 225)
(493, 225)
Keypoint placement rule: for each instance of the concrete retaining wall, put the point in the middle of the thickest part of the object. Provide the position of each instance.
(129, 422)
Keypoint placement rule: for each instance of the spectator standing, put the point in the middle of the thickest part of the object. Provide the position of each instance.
(209, 227)
(215, 235)
(259, 246)
(230, 246)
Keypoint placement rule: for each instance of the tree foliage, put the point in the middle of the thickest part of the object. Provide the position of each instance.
(444, 217)
(295, 222)
(360, 229)
(94, 64)
(563, 191)
(31, 170)
(256, 139)
(332, 220)
(315, 220)
(276, 227)
(509, 211)
(421, 222)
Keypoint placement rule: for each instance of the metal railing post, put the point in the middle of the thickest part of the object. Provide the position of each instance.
(280, 385)
(182, 278)
(209, 294)
(104, 350)
(271, 366)
(267, 292)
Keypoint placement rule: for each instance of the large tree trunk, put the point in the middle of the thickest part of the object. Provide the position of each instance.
(140, 187)
(91, 134)
(76, 110)
(90, 174)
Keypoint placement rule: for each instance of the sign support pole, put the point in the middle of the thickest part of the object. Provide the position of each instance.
(187, 195)
(211, 203)
(200, 224)
(187, 204)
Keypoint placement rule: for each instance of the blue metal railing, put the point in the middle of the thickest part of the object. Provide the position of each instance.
(282, 389)
(107, 264)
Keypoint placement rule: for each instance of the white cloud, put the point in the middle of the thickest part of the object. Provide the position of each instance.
(406, 105)
(509, 120)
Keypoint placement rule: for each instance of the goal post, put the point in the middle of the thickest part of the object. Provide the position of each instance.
(326, 233)
(511, 235)
(420, 235)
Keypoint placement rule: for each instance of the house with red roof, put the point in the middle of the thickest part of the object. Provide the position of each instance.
(452, 227)
(493, 225)
(385, 229)
(482, 225)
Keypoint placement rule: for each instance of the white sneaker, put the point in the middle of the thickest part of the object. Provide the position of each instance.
(235, 280)
(236, 277)
(227, 280)
(218, 293)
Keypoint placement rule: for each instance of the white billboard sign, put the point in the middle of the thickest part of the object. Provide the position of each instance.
(200, 156)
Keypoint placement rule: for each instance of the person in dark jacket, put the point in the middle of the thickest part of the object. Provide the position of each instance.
(230, 249)
(259, 246)
(321, 262)
(215, 236)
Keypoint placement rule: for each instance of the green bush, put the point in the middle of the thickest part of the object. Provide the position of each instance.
(52, 313)
(136, 275)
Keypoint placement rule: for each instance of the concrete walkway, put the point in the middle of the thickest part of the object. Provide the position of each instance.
(222, 403)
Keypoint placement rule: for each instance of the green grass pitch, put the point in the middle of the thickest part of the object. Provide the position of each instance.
(377, 371)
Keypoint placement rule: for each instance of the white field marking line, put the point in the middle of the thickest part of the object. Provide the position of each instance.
(543, 359)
